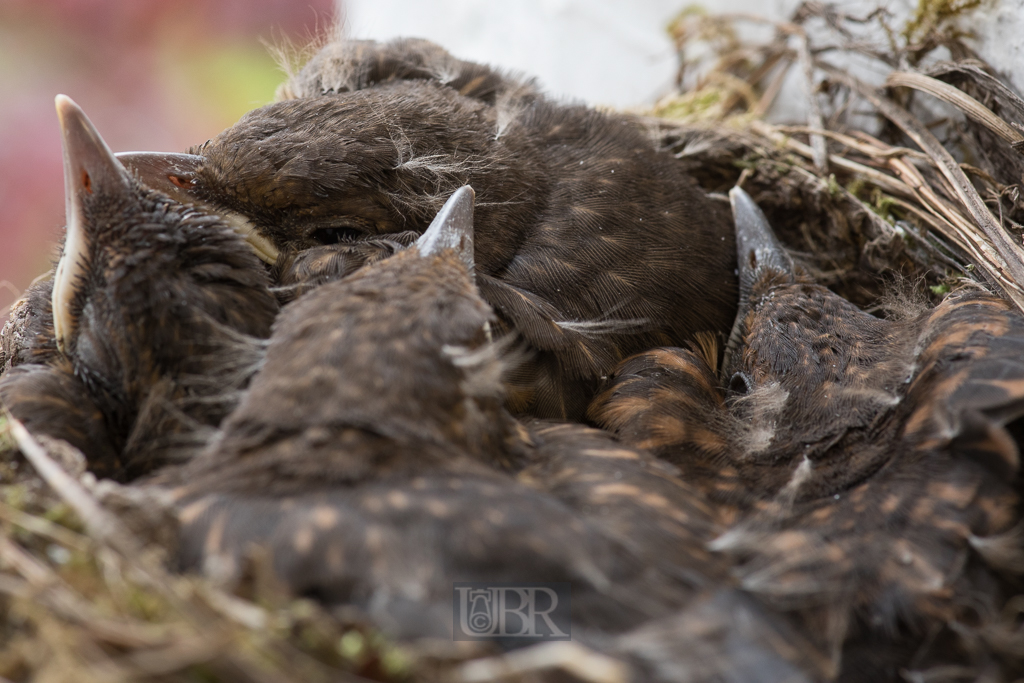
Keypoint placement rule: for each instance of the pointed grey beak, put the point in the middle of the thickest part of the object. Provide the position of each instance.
(756, 245)
(167, 172)
(452, 228)
(90, 169)
(757, 250)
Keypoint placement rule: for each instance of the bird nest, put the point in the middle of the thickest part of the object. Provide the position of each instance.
(910, 188)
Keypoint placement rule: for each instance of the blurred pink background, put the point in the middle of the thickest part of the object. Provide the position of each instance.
(151, 74)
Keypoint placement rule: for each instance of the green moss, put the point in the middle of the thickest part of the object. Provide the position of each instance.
(695, 105)
(7, 445)
(352, 646)
(62, 514)
(931, 15)
(145, 604)
(883, 205)
(675, 25)
(16, 496)
(834, 189)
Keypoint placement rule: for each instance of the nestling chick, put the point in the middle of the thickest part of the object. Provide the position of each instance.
(873, 456)
(157, 312)
(591, 244)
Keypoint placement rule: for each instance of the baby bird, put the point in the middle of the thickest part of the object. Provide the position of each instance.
(591, 244)
(156, 311)
(874, 460)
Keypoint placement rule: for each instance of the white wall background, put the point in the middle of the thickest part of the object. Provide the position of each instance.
(999, 30)
(610, 52)
(613, 52)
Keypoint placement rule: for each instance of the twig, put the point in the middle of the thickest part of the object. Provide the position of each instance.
(177, 654)
(44, 586)
(99, 523)
(1010, 253)
(959, 99)
(44, 527)
(774, 58)
(877, 178)
(583, 663)
(814, 118)
(957, 228)
(994, 84)
(922, 237)
(772, 91)
(865, 147)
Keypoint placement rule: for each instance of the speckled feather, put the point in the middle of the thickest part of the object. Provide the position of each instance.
(363, 452)
(872, 457)
(27, 336)
(381, 490)
(639, 500)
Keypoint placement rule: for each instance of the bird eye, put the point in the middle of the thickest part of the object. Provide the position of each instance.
(337, 235)
(740, 383)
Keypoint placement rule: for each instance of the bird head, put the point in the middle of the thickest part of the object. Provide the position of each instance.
(809, 372)
(348, 167)
(146, 289)
(838, 393)
(392, 364)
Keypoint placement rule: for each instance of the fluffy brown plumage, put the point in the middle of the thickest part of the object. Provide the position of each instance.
(349, 65)
(299, 272)
(872, 458)
(27, 336)
(591, 244)
(641, 501)
(157, 310)
(371, 456)
(372, 459)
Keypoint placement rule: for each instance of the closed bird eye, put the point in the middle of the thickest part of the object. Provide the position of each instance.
(338, 235)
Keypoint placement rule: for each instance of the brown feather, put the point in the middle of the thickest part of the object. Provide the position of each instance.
(591, 244)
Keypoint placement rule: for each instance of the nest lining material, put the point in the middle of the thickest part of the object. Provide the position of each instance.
(931, 194)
